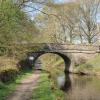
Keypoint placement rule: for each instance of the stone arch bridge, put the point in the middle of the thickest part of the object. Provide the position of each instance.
(70, 53)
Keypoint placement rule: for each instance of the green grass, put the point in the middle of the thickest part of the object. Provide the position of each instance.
(93, 65)
(9, 87)
(44, 90)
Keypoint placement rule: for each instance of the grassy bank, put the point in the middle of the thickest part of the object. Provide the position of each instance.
(90, 67)
(10, 86)
(46, 90)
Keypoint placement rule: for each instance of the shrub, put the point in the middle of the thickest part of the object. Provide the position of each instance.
(8, 69)
(8, 75)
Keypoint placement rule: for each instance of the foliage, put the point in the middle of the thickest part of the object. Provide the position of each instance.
(8, 68)
(15, 27)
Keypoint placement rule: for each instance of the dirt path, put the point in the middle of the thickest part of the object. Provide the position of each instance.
(25, 88)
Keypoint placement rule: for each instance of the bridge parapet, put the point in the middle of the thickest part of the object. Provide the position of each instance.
(59, 47)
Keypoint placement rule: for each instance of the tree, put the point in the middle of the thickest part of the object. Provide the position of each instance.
(78, 19)
(66, 15)
(15, 27)
(88, 25)
(70, 21)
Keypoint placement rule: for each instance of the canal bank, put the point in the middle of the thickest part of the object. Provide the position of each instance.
(91, 67)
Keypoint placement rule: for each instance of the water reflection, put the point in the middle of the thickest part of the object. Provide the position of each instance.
(64, 82)
(81, 87)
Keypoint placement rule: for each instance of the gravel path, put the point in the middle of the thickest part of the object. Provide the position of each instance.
(25, 89)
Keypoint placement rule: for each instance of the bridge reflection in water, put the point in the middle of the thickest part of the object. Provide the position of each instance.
(64, 82)
(81, 87)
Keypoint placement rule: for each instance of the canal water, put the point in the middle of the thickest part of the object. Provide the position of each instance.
(80, 87)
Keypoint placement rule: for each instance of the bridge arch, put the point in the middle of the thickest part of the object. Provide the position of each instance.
(67, 60)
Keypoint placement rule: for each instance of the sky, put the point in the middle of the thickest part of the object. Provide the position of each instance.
(98, 18)
(34, 12)
(63, 1)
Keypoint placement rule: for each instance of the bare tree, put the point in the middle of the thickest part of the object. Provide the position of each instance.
(80, 16)
(83, 18)
(64, 22)
(88, 26)
(68, 21)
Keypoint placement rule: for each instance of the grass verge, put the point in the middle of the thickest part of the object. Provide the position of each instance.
(46, 91)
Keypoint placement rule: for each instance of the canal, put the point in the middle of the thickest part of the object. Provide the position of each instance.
(81, 87)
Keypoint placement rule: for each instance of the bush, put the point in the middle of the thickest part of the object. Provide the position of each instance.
(8, 69)
(8, 75)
